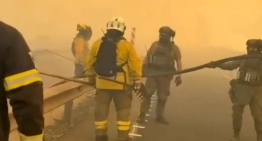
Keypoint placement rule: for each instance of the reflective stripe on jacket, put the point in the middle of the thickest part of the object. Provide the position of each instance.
(31, 138)
(21, 79)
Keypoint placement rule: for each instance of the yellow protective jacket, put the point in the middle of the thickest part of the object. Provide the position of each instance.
(80, 48)
(126, 53)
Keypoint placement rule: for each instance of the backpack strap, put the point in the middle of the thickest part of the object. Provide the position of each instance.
(153, 48)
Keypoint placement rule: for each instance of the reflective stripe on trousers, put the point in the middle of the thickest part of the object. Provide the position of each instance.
(123, 125)
(101, 124)
(31, 138)
(21, 79)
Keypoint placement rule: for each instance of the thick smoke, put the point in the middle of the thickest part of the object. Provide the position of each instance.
(199, 24)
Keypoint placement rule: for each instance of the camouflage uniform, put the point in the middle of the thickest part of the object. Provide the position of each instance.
(160, 59)
(246, 89)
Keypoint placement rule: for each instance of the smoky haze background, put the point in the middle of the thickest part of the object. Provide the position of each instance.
(206, 29)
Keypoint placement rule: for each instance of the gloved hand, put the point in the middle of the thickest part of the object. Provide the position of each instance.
(139, 95)
(137, 85)
(139, 90)
(91, 80)
(178, 80)
(212, 65)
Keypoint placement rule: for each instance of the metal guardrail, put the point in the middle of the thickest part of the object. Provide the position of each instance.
(57, 96)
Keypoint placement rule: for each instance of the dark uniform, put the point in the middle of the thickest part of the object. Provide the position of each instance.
(161, 58)
(22, 85)
(246, 89)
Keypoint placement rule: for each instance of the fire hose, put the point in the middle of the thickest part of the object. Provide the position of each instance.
(240, 57)
(143, 91)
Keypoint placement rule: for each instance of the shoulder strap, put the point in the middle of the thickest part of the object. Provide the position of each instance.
(153, 47)
(173, 46)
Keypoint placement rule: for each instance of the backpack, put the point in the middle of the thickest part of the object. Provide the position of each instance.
(105, 64)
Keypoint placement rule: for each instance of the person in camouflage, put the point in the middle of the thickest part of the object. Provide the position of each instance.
(161, 58)
(246, 89)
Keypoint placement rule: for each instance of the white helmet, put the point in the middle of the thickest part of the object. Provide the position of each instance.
(116, 23)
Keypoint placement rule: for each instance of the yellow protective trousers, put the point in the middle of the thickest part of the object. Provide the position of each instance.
(122, 100)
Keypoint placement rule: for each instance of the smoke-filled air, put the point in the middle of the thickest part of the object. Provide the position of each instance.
(202, 25)
(198, 104)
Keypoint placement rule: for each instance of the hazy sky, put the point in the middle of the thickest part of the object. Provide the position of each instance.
(201, 23)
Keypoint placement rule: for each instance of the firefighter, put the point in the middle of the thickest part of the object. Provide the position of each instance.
(115, 58)
(80, 47)
(246, 89)
(161, 58)
(22, 85)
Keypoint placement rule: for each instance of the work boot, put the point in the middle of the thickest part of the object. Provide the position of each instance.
(236, 136)
(259, 136)
(162, 120)
(141, 118)
(101, 138)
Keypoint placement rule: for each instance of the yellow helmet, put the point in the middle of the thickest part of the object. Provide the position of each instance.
(83, 27)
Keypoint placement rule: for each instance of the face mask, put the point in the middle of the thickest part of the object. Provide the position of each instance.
(164, 40)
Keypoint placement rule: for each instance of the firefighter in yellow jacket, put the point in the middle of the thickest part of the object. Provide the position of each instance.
(115, 58)
(22, 85)
(80, 47)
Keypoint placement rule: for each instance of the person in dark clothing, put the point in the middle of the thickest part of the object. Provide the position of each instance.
(22, 85)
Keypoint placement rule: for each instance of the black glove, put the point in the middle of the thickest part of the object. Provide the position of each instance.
(139, 95)
(91, 80)
(212, 65)
(138, 88)
(178, 80)
(137, 85)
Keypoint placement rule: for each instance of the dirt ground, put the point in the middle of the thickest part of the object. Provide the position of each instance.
(198, 110)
